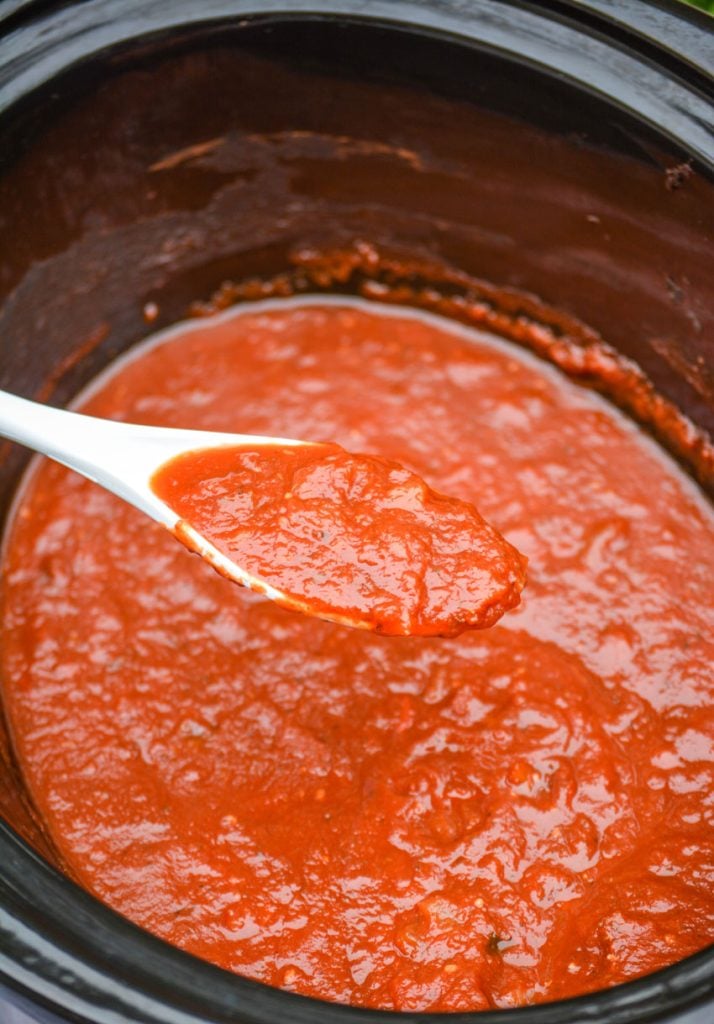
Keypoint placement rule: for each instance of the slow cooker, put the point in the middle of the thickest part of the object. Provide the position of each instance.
(471, 135)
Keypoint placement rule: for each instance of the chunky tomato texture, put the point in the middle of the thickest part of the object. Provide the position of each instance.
(510, 816)
(353, 538)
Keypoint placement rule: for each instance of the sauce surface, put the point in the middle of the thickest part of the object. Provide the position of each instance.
(506, 817)
(353, 537)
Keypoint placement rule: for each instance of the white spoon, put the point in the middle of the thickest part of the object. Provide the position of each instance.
(123, 457)
(346, 554)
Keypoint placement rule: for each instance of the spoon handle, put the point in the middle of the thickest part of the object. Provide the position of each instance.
(118, 456)
(77, 441)
(122, 457)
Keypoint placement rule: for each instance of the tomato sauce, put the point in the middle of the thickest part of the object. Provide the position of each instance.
(510, 816)
(352, 538)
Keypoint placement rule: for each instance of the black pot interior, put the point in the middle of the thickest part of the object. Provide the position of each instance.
(140, 181)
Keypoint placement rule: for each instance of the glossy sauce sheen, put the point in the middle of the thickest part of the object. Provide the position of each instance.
(357, 537)
(515, 815)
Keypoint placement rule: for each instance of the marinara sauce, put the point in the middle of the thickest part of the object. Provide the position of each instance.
(356, 539)
(514, 815)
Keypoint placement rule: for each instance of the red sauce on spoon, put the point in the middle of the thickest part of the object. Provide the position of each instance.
(357, 538)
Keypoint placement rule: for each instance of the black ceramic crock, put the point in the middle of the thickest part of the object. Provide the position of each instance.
(559, 151)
